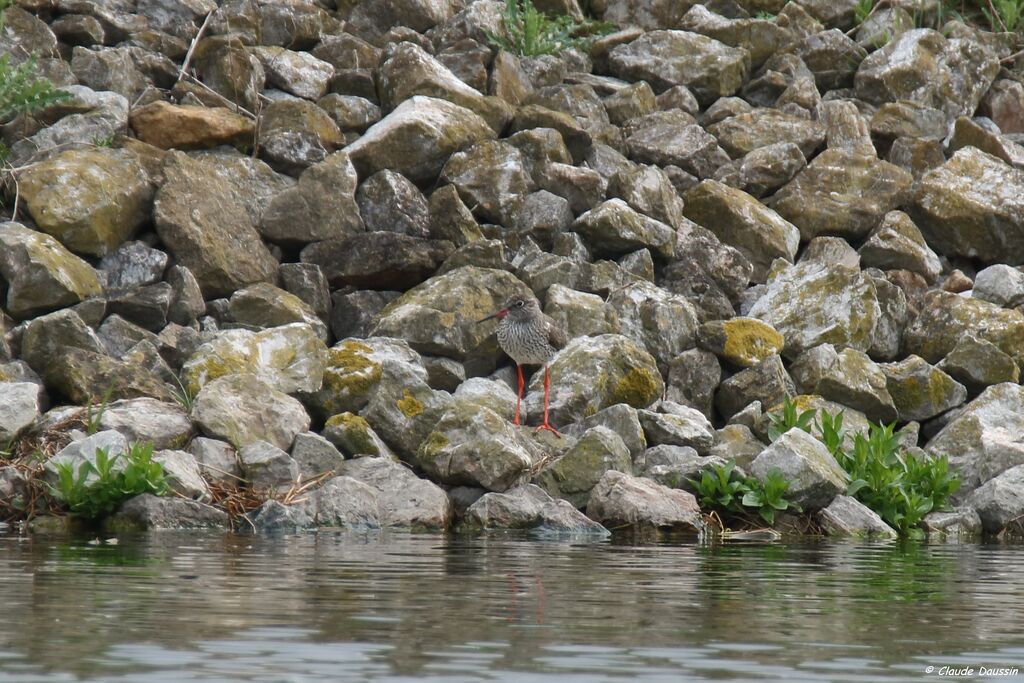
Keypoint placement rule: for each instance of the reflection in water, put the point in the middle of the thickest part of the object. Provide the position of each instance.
(336, 606)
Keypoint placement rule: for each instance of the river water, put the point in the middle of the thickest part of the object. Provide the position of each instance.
(334, 606)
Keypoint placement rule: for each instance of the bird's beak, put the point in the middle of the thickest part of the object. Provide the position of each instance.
(500, 314)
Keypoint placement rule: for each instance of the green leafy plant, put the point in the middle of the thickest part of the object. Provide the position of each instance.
(94, 416)
(529, 32)
(721, 488)
(182, 394)
(1003, 15)
(110, 487)
(863, 10)
(790, 418)
(22, 91)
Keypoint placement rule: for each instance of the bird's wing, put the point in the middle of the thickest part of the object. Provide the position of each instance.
(556, 335)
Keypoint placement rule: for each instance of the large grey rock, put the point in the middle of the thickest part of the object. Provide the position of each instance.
(242, 409)
(83, 450)
(403, 409)
(19, 408)
(263, 306)
(315, 455)
(1001, 285)
(711, 274)
(945, 319)
(614, 229)
(147, 511)
(345, 502)
(487, 176)
(165, 425)
(183, 474)
(574, 474)
(388, 201)
(578, 313)
(982, 441)
(767, 382)
(678, 142)
(814, 477)
(846, 516)
(898, 244)
(267, 467)
(298, 73)
(131, 265)
(377, 260)
(217, 459)
(673, 466)
(354, 436)
(742, 134)
(921, 391)
(619, 418)
(91, 115)
(354, 369)
(664, 323)
(959, 523)
(649, 190)
(405, 500)
(529, 507)
(692, 379)
(623, 501)
(848, 377)
(977, 364)
(1000, 500)
(274, 515)
(677, 425)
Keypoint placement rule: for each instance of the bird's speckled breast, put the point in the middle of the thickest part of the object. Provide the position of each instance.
(526, 344)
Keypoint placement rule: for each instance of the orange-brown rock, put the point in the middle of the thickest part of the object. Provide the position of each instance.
(172, 126)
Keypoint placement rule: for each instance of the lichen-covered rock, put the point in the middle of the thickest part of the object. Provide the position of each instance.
(675, 142)
(298, 73)
(290, 358)
(846, 516)
(578, 313)
(649, 190)
(977, 363)
(355, 437)
(321, 206)
(40, 273)
(488, 393)
(209, 233)
(814, 303)
(921, 391)
(897, 244)
(623, 501)
(973, 206)
(767, 382)
(575, 473)
(264, 306)
(475, 446)
(112, 198)
(405, 500)
(848, 377)
(710, 69)
(417, 138)
(760, 37)
(923, 66)
(739, 220)
(83, 450)
(388, 201)
(764, 170)
(131, 265)
(592, 373)
(842, 193)
(529, 507)
(814, 477)
(946, 318)
(227, 68)
(353, 372)
(664, 323)
(742, 134)
(741, 341)
(404, 409)
(377, 260)
(736, 442)
(673, 466)
(693, 377)
(165, 425)
(711, 274)
(488, 175)
(1000, 500)
(314, 455)
(19, 408)
(622, 419)
(147, 511)
(677, 425)
(982, 441)
(295, 134)
(242, 409)
(170, 126)
(614, 229)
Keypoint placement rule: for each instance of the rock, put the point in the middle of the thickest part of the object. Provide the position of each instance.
(541, 215)
(147, 306)
(682, 426)
(264, 306)
(307, 281)
(767, 382)
(842, 193)
(40, 273)
(664, 59)
(475, 446)
(592, 373)
(488, 393)
(846, 516)
(622, 501)
(405, 500)
(170, 126)
(621, 419)
(315, 455)
(574, 474)
(664, 323)
(1000, 500)
(760, 37)
(922, 66)
(344, 502)
(1001, 285)
(295, 134)
(321, 206)
(578, 313)
(848, 377)
(147, 511)
(961, 522)
(417, 138)
(183, 475)
(265, 466)
(354, 368)
(968, 133)
(897, 244)
(211, 235)
(113, 197)
(1004, 104)
(946, 318)
(274, 515)
(132, 265)
(388, 201)
(814, 477)
(814, 302)
(410, 71)
(487, 176)
(673, 466)
(971, 206)
(242, 409)
(629, 102)
(980, 440)
(217, 460)
(353, 314)
(649, 190)
(675, 142)
(582, 187)
(83, 450)
(711, 274)
(744, 342)
(921, 391)
(764, 170)
(614, 229)
(693, 377)
(977, 364)
(742, 134)
(251, 181)
(355, 437)
(737, 443)
(108, 68)
(529, 507)
(298, 73)
(380, 260)
(165, 425)
(740, 221)
(351, 112)
(19, 408)
(404, 409)
(291, 358)
(230, 70)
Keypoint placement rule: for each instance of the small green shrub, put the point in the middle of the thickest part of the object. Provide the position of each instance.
(1006, 16)
(720, 488)
(781, 423)
(109, 489)
(863, 10)
(22, 91)
(530, 32)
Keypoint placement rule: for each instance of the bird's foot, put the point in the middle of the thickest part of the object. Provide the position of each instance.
(549, 428)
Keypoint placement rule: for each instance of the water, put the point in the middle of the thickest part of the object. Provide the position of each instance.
(397, 607)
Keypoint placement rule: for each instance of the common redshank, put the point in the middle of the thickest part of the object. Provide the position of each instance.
(529, 338)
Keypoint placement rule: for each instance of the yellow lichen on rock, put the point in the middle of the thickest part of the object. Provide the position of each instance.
(409, 404)
(638, 388)
(747, 341)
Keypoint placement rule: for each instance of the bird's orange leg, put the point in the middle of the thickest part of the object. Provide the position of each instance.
(519, 395)
(546, 424)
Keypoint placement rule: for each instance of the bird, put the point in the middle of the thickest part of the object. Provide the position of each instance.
(528, 337)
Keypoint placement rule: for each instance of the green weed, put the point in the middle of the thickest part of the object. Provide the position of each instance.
(22, 91)
(863, 10)
(182, 394)
(110, 488)
(721, 488)
(530, 32)
(789, 419)
(93, 418)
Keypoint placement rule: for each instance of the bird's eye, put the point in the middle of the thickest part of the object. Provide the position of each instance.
(520, 303)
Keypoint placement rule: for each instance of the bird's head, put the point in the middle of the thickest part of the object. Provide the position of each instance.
(519, 308)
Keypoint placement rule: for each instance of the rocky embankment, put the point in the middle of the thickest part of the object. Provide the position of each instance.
(269, 263)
